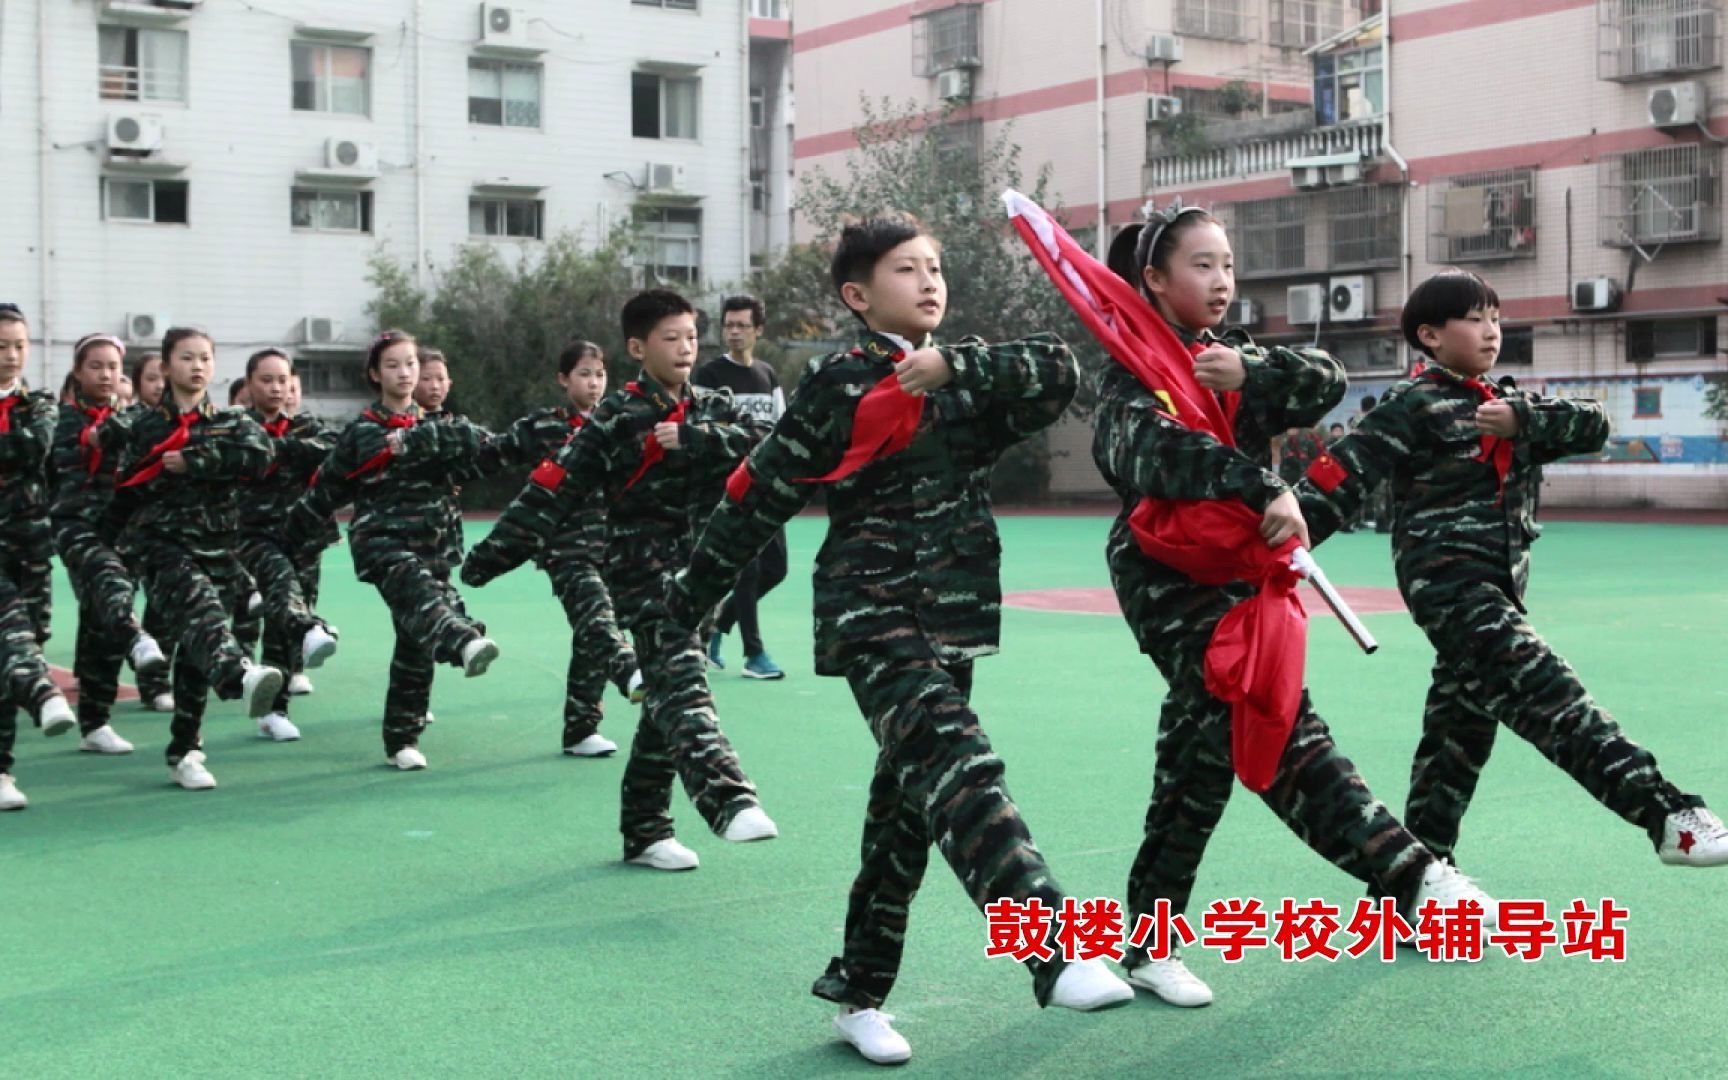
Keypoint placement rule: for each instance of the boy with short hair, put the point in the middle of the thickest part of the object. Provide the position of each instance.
(1462, 456)
(660, 451)
(907, 595)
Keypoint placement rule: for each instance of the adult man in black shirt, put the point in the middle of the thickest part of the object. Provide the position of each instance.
(756, 388)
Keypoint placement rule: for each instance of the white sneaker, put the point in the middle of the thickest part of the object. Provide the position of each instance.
(317, 646)
(426, 720)
(408, 759)
(278, 727)
(254, 604)
(1694, 838)
(750, 823)
(10, 797)
(299, 685)
(635, 689)
(1086, 985)
(871, 1032)
(477, 656)
(57, 716)
(1442, 882)
(667, 854)
(189, 772)
(595, 745)
(147, 656)
(1172, 982)
(258, 689)
(161, 703)
(104, 740)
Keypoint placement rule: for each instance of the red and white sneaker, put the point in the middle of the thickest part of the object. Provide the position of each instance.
(1694, 838)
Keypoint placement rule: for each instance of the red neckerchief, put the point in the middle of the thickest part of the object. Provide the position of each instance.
(377, 462)
(1491, 449)
(652, 451)
(150, 465)
(6, 405)
(275, 429)
(92, 450)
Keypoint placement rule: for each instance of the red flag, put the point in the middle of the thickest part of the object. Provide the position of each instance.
(1256, 657)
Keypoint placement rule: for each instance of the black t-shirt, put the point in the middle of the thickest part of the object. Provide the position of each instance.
(756, 388)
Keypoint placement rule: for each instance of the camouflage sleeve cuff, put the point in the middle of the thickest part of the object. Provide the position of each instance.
(1260, 495)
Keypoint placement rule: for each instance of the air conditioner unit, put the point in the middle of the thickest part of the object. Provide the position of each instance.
(500, 25)
(320, 330)
(349, 155)
(955, 84)
(1350, 298)
(1244, 312)
(1308, 177)
(134, 133)
(143, 328)
(1305, 303)
(1163, 49)
(1595, 294)
(1160, 108)
(1338, 175)
(664, 176)
(1681, 104)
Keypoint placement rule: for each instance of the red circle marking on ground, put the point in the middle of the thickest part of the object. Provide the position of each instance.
(1362, 599)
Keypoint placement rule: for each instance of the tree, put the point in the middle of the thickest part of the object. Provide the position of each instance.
(943, 171)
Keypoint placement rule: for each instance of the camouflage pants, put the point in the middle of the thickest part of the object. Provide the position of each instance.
(598, 650)
(282, 647)
(1492, 668)
(198, 591)
(27, 682)
(286, 614)
(107, 623)
(678, 737)
(27, 548)
(432, 626)
(937, 780)
(154, 625)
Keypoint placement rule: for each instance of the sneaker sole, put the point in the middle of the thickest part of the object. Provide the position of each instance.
(1704, 864)
(570, 751)
(264, 695)
(59, 727)
(748, 674)
(152, 669)
(82, 749)
(481, 660)
(662, 869)
(316, 658)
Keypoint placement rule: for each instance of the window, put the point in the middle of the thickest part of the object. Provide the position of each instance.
(141, 65)
(1349, 85)
(1315, 232)
(946, 39)
(1664, 339)
(1647, 403)
(520, 218)
(1272, 235)
(331, 211)
(160, 202)
(1484, 216)
(1646, 38)
(670, 5)
(1364, 226)
(758, 108)
(1365, 354)
(1663, 195)
(1228, 20)
(1517, 345)
(332, 78)
(662, 107)
(1302, 24)
(768, 9)
(503, 94)
(672, 240)
(333, 374)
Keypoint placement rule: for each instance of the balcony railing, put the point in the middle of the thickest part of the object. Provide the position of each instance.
(1648, 39)
(1266, 155)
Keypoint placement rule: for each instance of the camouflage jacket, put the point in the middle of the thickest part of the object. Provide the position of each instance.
(911, 566)
(199, 508)
(86, 456)
(653, 511)
(25, 447)
(400, 501)
(1451, 513)
(582, 537)
(1142, 451)
(300, 443)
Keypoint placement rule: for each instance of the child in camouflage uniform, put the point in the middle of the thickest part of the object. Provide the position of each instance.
(84, 475)
(154, 691)
(294, 636)
(26, 431)
(1182, 263)
(177, 499)
(397, 535)
(1461, 455)
(660, 452)
(907, 596)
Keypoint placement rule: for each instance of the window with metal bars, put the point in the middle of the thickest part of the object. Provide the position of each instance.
(1661, 195)
(1639, 39)
(1226, 20)
(1486, 216)
(948, 38)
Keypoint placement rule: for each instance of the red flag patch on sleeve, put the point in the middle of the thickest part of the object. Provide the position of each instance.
(738, 484)
(1327, 473)
(548, 474)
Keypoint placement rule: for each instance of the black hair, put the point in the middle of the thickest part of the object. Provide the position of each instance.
(234, 389)
(1151, 244)
(1368, 402)
(375, 355)
(429, 355)
(1448, 295)
(261, 355)
(863, 243)
(574, 353)
(177, 334)
(745, 302)
(12, 313)
(141, 363)
(644, 311)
